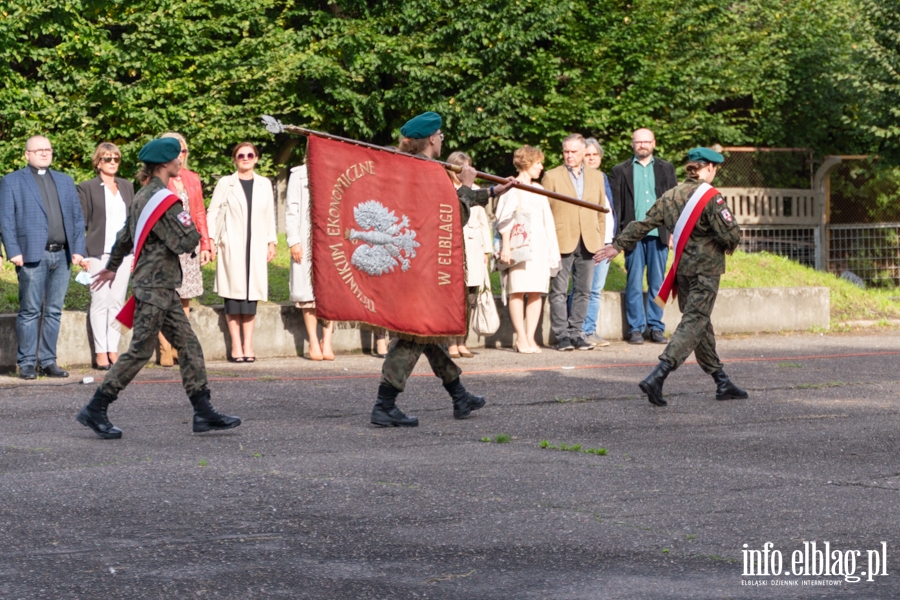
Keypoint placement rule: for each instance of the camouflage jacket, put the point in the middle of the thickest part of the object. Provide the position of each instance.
(469, 198)
(715, 234)
(158, 266)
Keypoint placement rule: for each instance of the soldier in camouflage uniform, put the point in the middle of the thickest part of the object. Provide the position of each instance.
(697, 278)
(158, 307)
(422, 136)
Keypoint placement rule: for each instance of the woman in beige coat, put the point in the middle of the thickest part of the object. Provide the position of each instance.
(241, 218)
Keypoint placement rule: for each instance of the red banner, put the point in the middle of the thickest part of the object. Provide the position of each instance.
(387, 240)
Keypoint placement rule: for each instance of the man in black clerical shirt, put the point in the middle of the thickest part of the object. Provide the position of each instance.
(43, 233)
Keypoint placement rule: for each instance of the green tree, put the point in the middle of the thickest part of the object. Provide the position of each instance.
(501, 72)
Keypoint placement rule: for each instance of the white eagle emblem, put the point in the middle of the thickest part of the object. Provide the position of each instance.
(388, 240)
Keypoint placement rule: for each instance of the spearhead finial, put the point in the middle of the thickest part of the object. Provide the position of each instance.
(272, 124)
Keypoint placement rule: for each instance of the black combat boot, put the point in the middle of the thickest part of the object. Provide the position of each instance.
(205, 416)
(463, 402)
(725, 390)
(93, 415)
(653, 384)
(386, 414)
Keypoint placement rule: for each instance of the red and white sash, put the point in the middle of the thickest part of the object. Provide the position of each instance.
(155, 208)
(683, 229)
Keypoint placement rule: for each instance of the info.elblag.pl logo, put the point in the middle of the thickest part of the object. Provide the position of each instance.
(813, 560)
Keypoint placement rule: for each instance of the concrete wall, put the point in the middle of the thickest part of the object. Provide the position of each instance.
(280, 332)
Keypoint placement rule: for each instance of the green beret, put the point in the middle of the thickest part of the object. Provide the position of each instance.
(422, 126)
(705, 155)
(160, 151)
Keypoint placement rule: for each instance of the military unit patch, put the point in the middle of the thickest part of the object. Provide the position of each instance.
(726, 215)
(720, 200)
(185, 218)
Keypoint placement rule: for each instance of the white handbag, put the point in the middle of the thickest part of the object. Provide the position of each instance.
(485, 318)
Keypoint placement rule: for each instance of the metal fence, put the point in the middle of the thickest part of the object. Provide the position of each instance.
(840, 214)
(870, 252)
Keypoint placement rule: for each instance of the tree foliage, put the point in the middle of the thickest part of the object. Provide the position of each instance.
(501, 72)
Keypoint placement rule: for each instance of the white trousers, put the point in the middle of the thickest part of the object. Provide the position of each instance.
(106, 304)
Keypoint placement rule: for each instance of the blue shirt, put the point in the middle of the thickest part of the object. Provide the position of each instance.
(578, 182)
(644, 191)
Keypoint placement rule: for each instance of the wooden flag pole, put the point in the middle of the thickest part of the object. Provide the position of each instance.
(273, 125)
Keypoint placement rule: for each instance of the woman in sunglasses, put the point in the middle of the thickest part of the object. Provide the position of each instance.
(186, 185)
(242, 213)
(105, 201)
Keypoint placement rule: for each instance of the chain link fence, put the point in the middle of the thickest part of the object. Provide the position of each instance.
(748, 167)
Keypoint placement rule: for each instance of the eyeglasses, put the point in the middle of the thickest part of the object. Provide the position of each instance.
(440, 134)
(111, 159)
(248, 156)
(642, 142)
(184, 151)
(41, 151)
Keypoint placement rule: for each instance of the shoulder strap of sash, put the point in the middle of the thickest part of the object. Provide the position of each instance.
(683, 229)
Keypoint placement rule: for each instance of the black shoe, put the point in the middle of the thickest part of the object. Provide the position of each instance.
(653, 384)
(564, 345)
(386, 414)
(93, 415)
(463, 402)
(582, 344)
(206, 418)
(658, 337)
(725, 390)
(636, 337)
(392, 417)
(27, 372)
(52, 370)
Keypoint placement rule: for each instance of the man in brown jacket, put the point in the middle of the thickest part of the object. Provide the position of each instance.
(580, 232)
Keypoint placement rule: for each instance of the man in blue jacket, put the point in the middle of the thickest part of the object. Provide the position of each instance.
(43, 232)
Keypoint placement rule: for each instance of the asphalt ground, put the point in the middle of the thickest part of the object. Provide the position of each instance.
(307, 500)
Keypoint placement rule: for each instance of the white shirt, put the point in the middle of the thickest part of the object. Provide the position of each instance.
(115, 217)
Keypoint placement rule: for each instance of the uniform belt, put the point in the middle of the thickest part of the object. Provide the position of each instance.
(56, 247)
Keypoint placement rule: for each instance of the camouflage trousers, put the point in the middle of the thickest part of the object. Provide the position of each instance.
(402, 359)
(149, 320)
(696, 298)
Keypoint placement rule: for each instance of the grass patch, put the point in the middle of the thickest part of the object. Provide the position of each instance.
(500, 438)
(848, 302)
(790, 365)
(819, 386)
(546, 445)
(203, 462)
(565, 400)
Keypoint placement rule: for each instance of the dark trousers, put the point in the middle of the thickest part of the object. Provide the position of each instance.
(402, 359)
(42, 291)
(567, 323)
(149, 320)
(696, 299)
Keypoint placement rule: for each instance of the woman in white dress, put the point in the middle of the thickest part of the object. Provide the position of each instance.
(527, 281)
(297, 228)
(477, 244)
